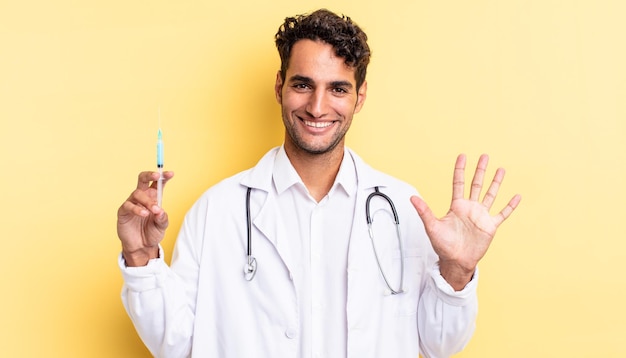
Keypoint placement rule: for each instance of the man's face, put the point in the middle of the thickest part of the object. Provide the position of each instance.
(318, 98)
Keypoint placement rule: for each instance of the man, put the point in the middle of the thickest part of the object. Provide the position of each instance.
(307, 276)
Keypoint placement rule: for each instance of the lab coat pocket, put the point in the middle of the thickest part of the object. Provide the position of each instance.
(407, 301)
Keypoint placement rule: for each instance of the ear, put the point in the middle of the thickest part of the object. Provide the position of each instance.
(360, 97)
(278, 88)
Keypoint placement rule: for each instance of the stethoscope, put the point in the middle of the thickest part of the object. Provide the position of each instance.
(250, 267)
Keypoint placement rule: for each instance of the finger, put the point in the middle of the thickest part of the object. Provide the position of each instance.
(427, 216)
(508, 209)
(479, 175)
(130, 208)
(145, 199)
(145, 179)
(458, 179)
(167, 176)
(494, 187)
(161, 221)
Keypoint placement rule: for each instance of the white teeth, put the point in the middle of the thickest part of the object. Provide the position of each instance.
(318, 124)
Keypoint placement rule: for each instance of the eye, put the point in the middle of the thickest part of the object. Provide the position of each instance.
(339, 90)
(301, 86)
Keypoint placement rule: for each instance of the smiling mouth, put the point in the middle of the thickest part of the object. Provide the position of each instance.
(318, 124)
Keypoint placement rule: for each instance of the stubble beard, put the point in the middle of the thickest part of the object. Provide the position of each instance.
(302, 145)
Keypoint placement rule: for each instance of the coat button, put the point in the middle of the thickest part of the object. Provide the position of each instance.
(291, 333)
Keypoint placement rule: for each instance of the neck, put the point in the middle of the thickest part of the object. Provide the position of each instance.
(317, 171)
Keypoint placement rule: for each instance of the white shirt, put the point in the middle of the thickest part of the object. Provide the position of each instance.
(319, 235)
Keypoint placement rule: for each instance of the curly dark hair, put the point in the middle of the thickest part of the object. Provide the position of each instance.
(346, 37)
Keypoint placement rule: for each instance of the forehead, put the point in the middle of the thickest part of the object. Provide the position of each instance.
(317, 60)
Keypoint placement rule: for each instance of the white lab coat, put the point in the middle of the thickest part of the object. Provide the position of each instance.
(203, 307)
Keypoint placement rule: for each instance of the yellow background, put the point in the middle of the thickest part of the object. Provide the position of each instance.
(540, 85)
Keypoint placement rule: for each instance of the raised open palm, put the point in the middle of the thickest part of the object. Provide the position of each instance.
(461, 238)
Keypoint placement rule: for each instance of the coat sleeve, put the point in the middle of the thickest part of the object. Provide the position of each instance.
(158, 309)
(159, 299)
(446, 317)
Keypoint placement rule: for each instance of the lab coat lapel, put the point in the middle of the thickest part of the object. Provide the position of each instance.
(269, 223)
(265, 214)
(362, 267)
(360, 250)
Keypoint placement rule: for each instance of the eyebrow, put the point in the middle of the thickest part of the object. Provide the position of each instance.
(305, 79)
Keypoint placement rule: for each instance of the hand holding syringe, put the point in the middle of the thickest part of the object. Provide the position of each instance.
(141, 221)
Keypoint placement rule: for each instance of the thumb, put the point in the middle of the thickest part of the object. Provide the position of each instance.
(161, 221)
(427, 216)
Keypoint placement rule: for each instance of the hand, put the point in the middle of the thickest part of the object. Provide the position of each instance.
(462, 237)
(141, 223)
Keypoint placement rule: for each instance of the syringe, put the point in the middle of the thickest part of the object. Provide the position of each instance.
(160, 167)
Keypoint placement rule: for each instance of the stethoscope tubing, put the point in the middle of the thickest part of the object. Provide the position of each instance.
(250, 267)
(369, 220)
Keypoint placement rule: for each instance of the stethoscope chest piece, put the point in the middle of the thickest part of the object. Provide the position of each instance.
(249, 270)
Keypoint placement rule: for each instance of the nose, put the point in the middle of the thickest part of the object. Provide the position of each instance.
(317, 106)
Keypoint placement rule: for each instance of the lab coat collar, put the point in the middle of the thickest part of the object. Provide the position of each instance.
(284, 174)
(368, 177)
(260, 176)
